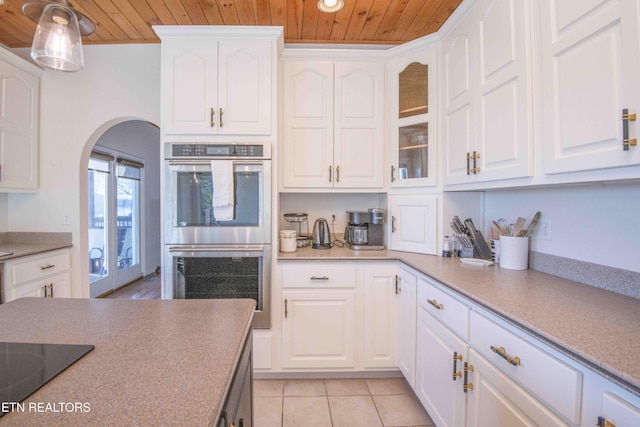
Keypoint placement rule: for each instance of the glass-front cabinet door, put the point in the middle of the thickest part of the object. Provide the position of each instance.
(412, 85)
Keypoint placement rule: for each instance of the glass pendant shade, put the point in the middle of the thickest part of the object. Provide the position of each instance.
(330, 5)
(57, 43)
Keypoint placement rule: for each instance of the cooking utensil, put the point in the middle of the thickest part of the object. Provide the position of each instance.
(519, 225)
(532, 224)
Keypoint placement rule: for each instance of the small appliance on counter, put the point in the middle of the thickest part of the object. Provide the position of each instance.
(365, 230)
(299, 218)
(321, 236)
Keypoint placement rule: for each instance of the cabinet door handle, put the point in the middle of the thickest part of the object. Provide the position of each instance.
(398, 288)
(393, 224)
(626, 118)
(338, 173)
(434, 303)
(466, 385)
(46, 267)
(221, 113)
(456, 357)
(45, 287)
(603, 422)
(213, 114)
(319, 278)
(500, 351)
(51, 290)
(286, 308)
(393, 169)
(329, 173)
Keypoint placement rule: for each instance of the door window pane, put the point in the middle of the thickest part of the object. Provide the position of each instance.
(128, 221)
(98, 179)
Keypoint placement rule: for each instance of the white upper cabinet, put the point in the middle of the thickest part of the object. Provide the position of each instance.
(413, 113)
(414, 223)
(591, 72)
(217, 84)
(333, 120)
(19, 120)
(487, 94)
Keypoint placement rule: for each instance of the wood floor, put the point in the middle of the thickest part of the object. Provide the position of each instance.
(146, 288)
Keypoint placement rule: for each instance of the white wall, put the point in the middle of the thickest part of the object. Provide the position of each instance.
(118, 83)
(595, 223)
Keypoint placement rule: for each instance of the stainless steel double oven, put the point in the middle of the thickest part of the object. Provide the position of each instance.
(209, 257)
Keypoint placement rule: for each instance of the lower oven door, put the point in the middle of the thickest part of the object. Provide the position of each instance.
(220, 272)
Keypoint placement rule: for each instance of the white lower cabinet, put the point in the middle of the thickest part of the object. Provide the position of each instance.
(44, 275)
(406, 291)
(318, 329)
(439, 371)
(617, 412)
(496, 400)
(339, 315)
(380, 317)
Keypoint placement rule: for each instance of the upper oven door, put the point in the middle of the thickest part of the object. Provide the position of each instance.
(190, 218)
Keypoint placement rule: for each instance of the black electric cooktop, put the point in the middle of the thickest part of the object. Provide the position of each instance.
(25, 367)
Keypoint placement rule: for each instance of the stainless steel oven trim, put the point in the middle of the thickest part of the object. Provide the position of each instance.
(262, 318)
(218, 235)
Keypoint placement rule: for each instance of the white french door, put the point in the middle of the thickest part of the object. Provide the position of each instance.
(114, 185)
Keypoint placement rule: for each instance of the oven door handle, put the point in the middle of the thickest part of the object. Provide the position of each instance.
(205, 248)
(208, 162)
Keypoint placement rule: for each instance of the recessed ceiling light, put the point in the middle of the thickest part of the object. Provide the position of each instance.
(330, 6)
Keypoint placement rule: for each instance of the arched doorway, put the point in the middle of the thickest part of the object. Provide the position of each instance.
(122, 176)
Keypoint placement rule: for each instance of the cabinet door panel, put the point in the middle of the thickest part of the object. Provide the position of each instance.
(380, 318)
(358, 122)
(244, 76)
(436, 388)
(407, 326)
(190, 79)
(589, 54)
(620, 412)
(414, 224)
(308, 118)
(318, 329)
(495, 400)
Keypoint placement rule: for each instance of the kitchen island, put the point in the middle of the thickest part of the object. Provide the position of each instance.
(160, 362)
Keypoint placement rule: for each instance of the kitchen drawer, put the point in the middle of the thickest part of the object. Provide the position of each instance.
(552, 381)
(36, 267)
(444, 307)
(318, 275)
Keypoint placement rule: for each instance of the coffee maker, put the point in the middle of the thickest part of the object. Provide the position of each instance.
(365, 230)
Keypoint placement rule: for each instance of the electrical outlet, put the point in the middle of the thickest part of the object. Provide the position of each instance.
(545, 229)
(66, 218)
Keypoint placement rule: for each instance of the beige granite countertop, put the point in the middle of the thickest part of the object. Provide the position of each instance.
(160, 362)
(594, 326)
(20, 244)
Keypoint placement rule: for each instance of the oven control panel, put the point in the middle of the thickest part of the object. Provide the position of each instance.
(217, 150)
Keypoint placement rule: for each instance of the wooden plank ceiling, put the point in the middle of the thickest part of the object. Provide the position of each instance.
(360, 21)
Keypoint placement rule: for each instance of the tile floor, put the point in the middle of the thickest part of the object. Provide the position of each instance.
(371, 402)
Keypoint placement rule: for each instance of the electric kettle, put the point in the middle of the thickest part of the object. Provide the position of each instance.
(321, 236)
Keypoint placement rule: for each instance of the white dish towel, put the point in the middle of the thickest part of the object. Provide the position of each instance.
(223, 190)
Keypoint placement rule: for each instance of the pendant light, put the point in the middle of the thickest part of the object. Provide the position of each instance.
(57, 43)
(330, 6)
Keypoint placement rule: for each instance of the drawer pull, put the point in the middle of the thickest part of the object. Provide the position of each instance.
(286, 308)
(603, 422)
(434, 303)
(45, 267)
(456, 357)
(500, 351)
(466, 385)
(319, 278)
